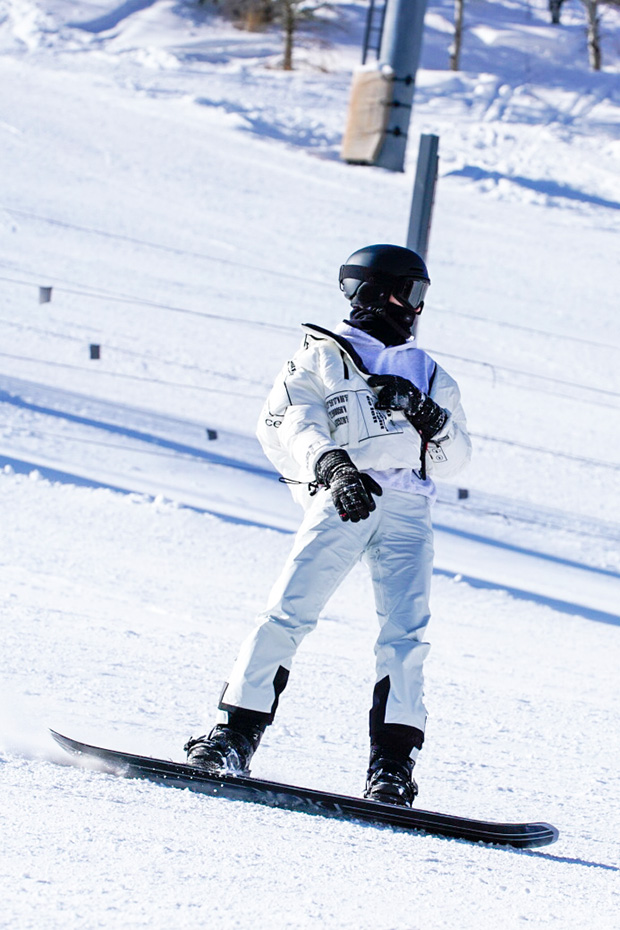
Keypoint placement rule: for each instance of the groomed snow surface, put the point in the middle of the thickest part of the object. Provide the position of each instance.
(184, 199)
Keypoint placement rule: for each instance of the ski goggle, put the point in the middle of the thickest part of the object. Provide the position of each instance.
(412, 291)
(379, 287)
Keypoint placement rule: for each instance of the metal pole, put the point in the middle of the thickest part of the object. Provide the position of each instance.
(369, 14)
(423, 195)
(401, 46)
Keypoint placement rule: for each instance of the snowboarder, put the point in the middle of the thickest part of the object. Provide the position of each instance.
(357, 422)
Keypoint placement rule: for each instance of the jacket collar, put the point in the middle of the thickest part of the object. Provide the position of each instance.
(343, 344)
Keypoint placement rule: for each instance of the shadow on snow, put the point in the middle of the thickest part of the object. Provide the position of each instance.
(114, 17)
(549, 188)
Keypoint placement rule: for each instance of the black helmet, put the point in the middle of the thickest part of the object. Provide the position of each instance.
(371, 275)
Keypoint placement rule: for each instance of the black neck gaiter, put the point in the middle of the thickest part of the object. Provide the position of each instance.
(376, 325)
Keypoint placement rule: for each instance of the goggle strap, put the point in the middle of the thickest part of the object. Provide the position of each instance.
(361, 273)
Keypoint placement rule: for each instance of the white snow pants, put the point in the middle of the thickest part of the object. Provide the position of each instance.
(396, 542)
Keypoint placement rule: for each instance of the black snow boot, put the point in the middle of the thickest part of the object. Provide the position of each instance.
(226, 750)
(389, 779)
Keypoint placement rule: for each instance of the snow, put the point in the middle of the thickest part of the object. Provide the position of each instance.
(185, 201)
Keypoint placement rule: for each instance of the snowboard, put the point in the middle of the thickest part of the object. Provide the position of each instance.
(309, 800)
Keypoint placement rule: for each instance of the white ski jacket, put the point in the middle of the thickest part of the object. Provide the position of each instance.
(321, 401)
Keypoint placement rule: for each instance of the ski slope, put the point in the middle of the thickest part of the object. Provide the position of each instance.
(185, 201)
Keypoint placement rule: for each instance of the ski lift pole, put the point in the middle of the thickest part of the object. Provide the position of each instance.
(423, 195)
(401, 47)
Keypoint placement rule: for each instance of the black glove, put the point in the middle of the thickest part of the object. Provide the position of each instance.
(351, 490)
(396, 393)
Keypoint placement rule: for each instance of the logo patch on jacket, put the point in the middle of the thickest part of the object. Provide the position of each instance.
(436, 453)
(336, 406)
(356, 410)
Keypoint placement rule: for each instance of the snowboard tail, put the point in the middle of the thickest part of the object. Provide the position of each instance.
(312, 801)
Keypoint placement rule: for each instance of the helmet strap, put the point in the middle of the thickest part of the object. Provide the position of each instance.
(385, 314)
(394, 315)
